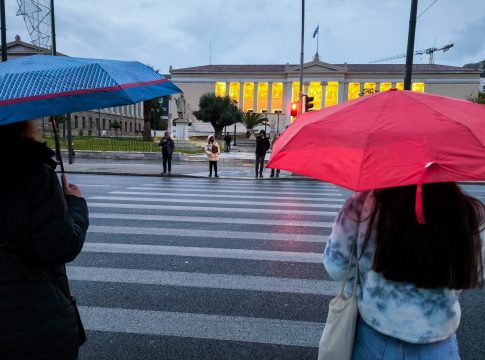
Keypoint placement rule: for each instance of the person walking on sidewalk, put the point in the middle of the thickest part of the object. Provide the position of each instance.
(168, 146)
(262, 146)
(409, 275)
(227, 140)
(42, 227)
(212, 150)
(276, 136)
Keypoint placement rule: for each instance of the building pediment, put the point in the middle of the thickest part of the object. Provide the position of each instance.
(318, 67)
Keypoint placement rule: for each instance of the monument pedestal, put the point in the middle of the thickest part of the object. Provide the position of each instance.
(182, 129)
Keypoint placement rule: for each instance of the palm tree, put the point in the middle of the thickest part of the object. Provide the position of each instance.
(251, 119)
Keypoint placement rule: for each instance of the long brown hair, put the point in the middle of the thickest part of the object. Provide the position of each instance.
(444, 252)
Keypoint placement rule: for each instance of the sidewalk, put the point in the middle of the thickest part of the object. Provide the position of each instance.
(235, 165)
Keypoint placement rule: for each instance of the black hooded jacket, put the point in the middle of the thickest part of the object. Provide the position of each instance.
(40, 230)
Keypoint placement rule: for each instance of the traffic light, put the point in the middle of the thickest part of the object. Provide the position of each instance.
(294, 108)
(308, 103)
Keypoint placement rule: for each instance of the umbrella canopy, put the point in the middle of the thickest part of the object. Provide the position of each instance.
(388, 139)
(41, 85)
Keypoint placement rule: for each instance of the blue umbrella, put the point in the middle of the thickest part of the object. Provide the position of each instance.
(42, 85)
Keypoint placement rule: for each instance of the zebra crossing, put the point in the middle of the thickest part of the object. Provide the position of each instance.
(205, 269)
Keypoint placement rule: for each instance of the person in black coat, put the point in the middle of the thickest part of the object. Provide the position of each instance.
(227, 140)
(168, 146)
(262, 145)
(42, 227)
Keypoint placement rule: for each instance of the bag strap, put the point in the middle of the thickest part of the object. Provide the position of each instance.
(351, 258)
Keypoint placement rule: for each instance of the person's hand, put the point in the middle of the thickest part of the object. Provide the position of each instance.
(70, 189)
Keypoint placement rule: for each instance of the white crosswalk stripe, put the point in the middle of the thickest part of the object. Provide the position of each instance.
(231, 242)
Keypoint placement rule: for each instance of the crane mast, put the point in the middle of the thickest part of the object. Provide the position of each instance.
(429, 51)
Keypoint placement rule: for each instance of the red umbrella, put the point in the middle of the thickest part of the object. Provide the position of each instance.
(388, 139)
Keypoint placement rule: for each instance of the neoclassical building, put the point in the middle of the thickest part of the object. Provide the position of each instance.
(272, 88)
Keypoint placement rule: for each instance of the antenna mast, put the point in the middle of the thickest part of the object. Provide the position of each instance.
(37, 18)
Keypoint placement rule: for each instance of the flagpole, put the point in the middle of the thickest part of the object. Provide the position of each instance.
(318, 37)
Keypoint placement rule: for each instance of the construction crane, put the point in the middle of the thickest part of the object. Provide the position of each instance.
(429, 51)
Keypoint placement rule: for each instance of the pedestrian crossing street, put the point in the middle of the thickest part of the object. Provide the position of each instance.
(178, 268)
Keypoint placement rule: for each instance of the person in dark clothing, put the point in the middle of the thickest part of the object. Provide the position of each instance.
(262, 145)
(227, 140)
(273, 171)
(167, 145)
(42, 227)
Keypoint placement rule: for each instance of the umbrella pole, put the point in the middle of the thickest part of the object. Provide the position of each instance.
(58, 147)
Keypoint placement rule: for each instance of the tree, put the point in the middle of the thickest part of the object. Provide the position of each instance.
(480, 99)
(115, 125)
(251, 119)
(217, 110)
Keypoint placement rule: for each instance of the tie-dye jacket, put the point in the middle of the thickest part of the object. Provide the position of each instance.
(396, 309)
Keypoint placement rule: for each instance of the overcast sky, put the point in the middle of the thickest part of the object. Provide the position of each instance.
(178, 33)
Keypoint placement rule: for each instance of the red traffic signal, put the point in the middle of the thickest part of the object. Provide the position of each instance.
(308, 103)
(294, 108)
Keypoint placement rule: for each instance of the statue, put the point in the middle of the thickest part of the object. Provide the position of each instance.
(181, 106)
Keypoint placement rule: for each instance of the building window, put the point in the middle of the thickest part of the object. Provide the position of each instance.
(315, 90)
(262, 96)
(83, 122)
(331, 93)
(385, 86)
(131, 126)
(369, 88)
(126, 126)
(97, 124)
(235, 91)
(104, 124)
(418, 87)
(295, 89)
(277, 97)
(76, 122)
(220, 89)
(400, 86)
(354, 91)
(248, 96)
(90, 123)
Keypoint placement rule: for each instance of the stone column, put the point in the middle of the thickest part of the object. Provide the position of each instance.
(287, 90)
(324, 93)
(255, 97)
(241, 95)
(340, 92)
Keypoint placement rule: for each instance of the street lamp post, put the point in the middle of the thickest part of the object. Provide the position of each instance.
(234, 103)
(278, 112)
(265, 114)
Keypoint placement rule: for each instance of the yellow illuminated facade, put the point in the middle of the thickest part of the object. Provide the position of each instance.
(369, 88)
(248, 96)
(331, 93)
(277, 97)
(315, 90)
(418, 87)
(220, 89)
(385, 86)
(262, 96)
(354, 91)
(235, 91)
(400, 86)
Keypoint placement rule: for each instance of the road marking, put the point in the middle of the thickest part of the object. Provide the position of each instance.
(216, 202)
(207, 220)
(244, 189)
(202, 326)
(230, 235)
(250, 181)
(206, 281)
(267, 255)
(211, 195)
(207, 209)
